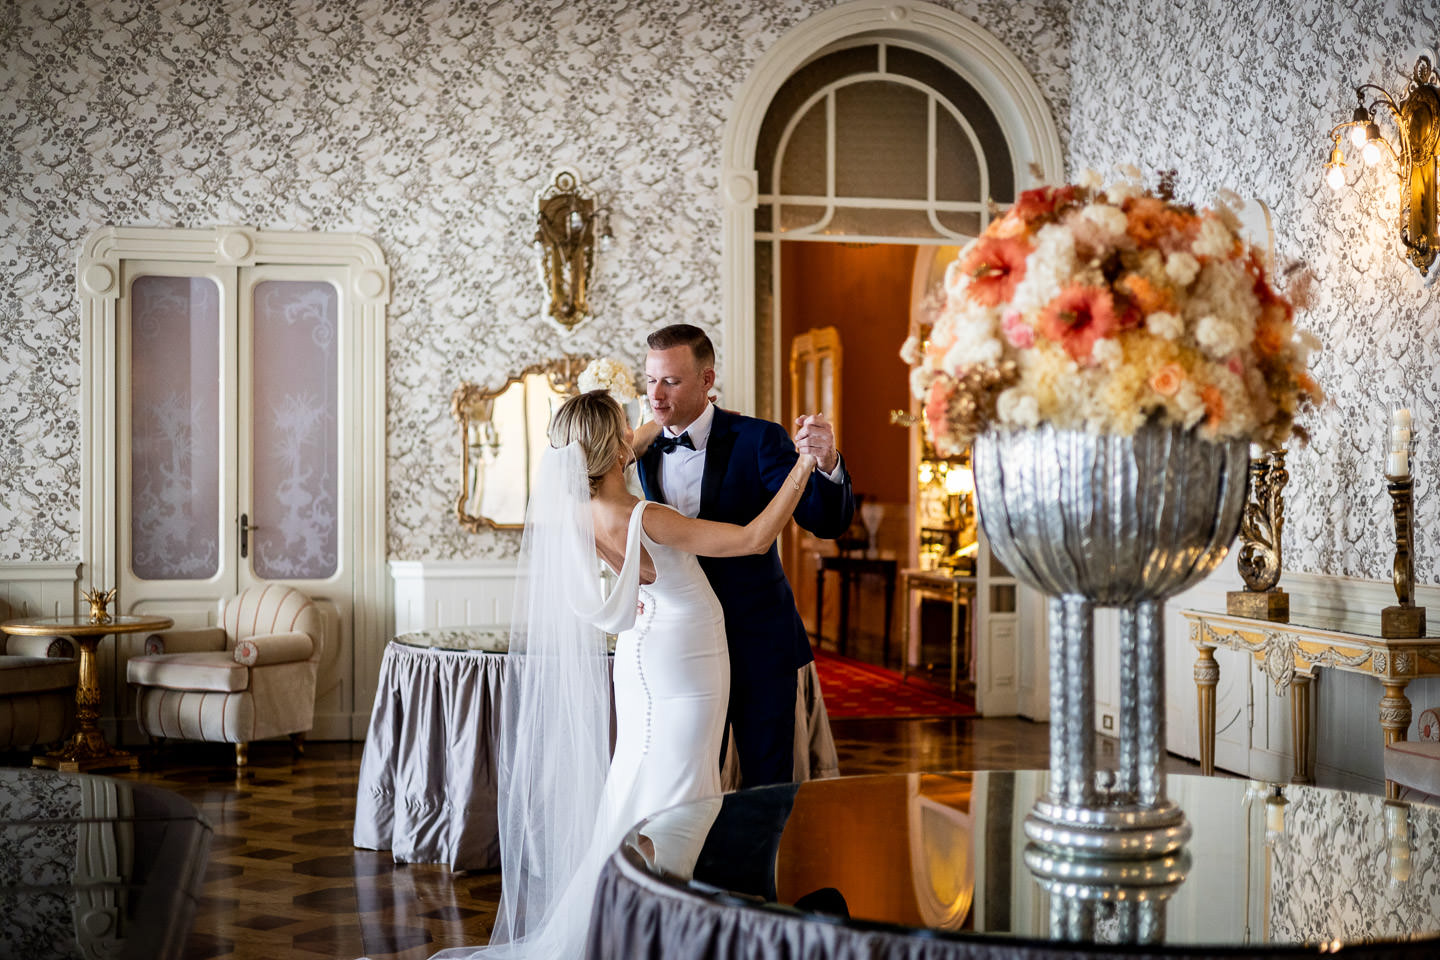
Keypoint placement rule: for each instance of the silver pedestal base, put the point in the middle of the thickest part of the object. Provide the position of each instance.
(1108, 900)
(1100, 831)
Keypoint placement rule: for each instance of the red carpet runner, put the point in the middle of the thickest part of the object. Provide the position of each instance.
(854, 689)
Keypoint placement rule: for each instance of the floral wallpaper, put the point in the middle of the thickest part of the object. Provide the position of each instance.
(1382, 850)
(426, 125)
(1242, 96)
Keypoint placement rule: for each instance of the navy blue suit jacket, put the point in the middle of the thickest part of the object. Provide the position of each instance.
(746, 460)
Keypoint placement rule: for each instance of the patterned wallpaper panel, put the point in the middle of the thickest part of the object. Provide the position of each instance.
(426, 125)
(1242, 96)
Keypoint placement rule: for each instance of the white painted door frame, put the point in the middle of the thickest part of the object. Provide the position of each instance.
(1012, 95)
(366, 280)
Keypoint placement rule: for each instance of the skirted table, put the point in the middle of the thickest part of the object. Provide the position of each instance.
(936, 866)
(428, 782)
(427, 785)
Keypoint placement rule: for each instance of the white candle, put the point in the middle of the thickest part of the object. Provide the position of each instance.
(1397, 460)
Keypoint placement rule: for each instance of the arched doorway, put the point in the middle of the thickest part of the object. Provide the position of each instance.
(870, 139)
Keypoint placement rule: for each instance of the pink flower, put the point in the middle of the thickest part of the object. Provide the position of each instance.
(1020, 334)
(1235, 366)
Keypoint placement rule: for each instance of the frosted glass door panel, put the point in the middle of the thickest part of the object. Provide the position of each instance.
(295, 440)
(174, 428)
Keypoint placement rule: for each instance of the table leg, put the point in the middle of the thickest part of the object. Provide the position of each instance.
(1207, 676)
(1395, 721)
(87, 749)
(906, 612)
(1300, 689)
(819, 600)
(954, 641)
(889, 614)
(844, 638)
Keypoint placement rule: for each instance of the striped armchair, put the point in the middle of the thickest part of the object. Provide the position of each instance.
(250, 678)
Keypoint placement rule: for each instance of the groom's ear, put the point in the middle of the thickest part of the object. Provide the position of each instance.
(707, 377)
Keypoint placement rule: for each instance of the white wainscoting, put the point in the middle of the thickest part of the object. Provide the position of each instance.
(1252, 721)
(40, 589)
(452, 593)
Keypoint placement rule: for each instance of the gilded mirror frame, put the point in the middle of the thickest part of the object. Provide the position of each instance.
(473, 405)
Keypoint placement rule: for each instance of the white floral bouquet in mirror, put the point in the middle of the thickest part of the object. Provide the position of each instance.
(603, 373)
(1098, 309)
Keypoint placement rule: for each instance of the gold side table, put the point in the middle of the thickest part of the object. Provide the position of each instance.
(87, 749)
(954, 589)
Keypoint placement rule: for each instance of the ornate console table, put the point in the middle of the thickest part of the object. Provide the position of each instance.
(1289, 654)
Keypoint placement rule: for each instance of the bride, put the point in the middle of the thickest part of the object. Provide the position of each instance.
(565, 805)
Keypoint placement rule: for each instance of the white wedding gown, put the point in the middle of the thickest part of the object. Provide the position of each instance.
(671, 683)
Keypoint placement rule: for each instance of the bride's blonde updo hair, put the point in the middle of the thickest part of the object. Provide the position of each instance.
(595, 421)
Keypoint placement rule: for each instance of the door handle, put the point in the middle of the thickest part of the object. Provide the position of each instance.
(245, 527)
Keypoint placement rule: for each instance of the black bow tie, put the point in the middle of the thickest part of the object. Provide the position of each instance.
(668, 444)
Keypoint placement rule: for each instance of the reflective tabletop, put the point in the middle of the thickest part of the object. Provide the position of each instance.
(96, 867)
(1268, 866)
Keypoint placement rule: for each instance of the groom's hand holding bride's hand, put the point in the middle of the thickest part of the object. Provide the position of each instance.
(814, 435)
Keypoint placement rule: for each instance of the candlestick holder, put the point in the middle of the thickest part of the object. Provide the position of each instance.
(1261, 527)
(1404, 619)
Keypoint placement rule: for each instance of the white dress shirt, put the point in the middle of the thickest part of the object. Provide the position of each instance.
(682, 469)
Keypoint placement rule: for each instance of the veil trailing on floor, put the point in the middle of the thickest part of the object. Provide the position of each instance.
(555, 741)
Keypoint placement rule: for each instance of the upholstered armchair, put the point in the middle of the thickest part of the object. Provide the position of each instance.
(1415, 764)
(250, 678)
(37, 690)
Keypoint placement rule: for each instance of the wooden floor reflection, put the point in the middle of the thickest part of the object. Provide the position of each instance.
(284, 880)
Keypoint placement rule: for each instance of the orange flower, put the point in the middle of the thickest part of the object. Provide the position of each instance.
(1151, 222)
(1078, 317)
(1044, 201)
(1214, 404)
(1147, 297)
(1167, 380)
(996, 266)
(1270, 336)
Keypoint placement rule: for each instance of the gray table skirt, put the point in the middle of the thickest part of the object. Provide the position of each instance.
(636, 914)
(427, 785)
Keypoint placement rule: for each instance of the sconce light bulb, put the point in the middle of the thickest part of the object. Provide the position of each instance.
(577, 222)
(1336, 178)
(1357, 134)
(1371, 153)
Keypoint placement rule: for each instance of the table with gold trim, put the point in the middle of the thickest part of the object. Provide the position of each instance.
(958, 591)
(1290, 653)
(87, 749)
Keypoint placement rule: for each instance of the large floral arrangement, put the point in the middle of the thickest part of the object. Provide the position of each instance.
(603, 373)
(1098, 309)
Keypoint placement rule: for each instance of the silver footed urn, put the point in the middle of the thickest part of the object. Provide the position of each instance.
(1096, 520)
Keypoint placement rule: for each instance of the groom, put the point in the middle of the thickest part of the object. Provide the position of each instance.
(718, 465)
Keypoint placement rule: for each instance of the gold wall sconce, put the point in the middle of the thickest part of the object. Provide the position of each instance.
(1416, 117)
(569, 223)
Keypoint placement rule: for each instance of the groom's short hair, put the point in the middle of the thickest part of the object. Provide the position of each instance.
(685, 335)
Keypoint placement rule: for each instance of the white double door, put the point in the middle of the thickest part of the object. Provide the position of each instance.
(234, 460)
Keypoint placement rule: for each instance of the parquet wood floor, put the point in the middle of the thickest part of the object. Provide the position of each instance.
(285, 882)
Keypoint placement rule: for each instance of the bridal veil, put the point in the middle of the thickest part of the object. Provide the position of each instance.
(555, 739)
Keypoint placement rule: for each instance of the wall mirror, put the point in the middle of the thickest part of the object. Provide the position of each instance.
(502, 434)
